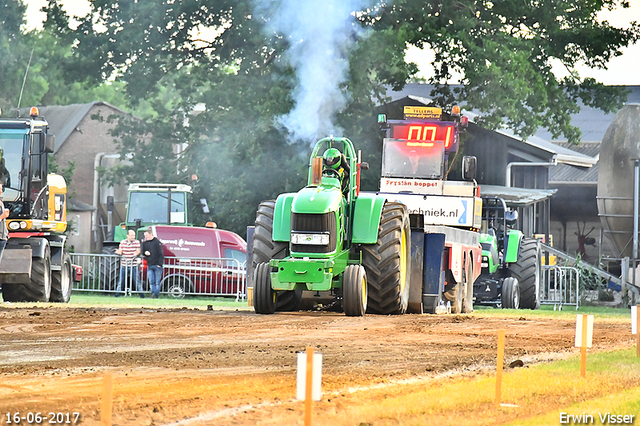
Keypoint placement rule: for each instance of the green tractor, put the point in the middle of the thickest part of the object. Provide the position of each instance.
(511, 264)
(331, 241)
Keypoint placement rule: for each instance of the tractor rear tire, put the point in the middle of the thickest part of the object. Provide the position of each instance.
(354, 291)
(109, 268)
(39, 289)
(62, 282)
(528, 271)
(510, 297)
(265, 249)
(264, 298)
(388, 262)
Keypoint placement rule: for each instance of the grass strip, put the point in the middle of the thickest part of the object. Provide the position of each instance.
(92, 300)
(534, 395)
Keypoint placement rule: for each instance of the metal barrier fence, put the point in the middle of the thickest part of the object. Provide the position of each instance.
(180, 276)
(560, 286)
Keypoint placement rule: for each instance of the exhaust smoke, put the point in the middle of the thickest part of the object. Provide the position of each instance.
(320, 35)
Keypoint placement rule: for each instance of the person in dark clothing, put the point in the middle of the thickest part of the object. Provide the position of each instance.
(334, 159)
(153, 254)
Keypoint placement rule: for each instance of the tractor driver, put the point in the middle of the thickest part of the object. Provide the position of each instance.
(335, 160)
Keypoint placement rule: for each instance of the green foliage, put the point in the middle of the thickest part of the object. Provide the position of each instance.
(165, 58)
(43, 61)
(66, 173)
(504, 51)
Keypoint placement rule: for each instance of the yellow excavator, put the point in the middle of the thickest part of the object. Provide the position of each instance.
(35, 265)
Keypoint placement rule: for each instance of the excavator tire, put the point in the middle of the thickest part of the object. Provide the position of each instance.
(528, 271)
(39, 289)
(265, 249)
(61, 282)
(388, 262)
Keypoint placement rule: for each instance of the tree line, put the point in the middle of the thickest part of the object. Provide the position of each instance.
(273, 76)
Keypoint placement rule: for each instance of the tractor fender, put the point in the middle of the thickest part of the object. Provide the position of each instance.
(512, 245)
(366, 218)
(282, 217)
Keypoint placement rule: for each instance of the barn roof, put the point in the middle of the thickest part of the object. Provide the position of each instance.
(64, 119)
(516, 197)
(564, 174)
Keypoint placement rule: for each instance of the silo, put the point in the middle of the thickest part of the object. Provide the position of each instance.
(620, 147)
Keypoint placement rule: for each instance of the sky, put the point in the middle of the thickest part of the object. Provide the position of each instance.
(622, 70)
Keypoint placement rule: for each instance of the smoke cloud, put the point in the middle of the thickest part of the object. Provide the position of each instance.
(320, 34)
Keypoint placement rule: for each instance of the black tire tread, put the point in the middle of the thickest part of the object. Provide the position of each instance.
(109, 269)
(62, 282)
(382, 263)
(352, 282)
(527, 271)
(263, 301)
(265, 249)
(510, 296)
(39, 289)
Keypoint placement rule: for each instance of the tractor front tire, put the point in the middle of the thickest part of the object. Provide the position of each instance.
(354, 291)
(265, 249)
(388, 262)
(510, 297)
(264, 298)
(528, 271)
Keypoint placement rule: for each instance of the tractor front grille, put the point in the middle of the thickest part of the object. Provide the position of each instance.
(307, 222)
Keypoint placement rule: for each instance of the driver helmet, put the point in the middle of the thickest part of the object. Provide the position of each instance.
(332, 158)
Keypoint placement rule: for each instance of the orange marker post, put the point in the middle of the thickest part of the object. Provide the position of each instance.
(499, 367)
(107, 399)
(584, 335)
(308, 391)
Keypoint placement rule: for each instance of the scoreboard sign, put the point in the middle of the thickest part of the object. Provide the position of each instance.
(426, 131)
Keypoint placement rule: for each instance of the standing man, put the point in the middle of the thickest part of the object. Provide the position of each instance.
(4, 232)
(154, 255)
(129, 249)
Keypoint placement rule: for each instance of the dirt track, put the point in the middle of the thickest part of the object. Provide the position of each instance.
(238, 367)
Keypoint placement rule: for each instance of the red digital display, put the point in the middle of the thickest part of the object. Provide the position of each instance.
(424, 133)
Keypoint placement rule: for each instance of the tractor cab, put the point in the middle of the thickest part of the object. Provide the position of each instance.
(497, 221)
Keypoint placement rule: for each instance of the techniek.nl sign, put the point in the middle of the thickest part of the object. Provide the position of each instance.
(452, 211)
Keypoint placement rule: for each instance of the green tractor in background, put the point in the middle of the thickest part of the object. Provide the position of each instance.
(330, 241)
(511, 264)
